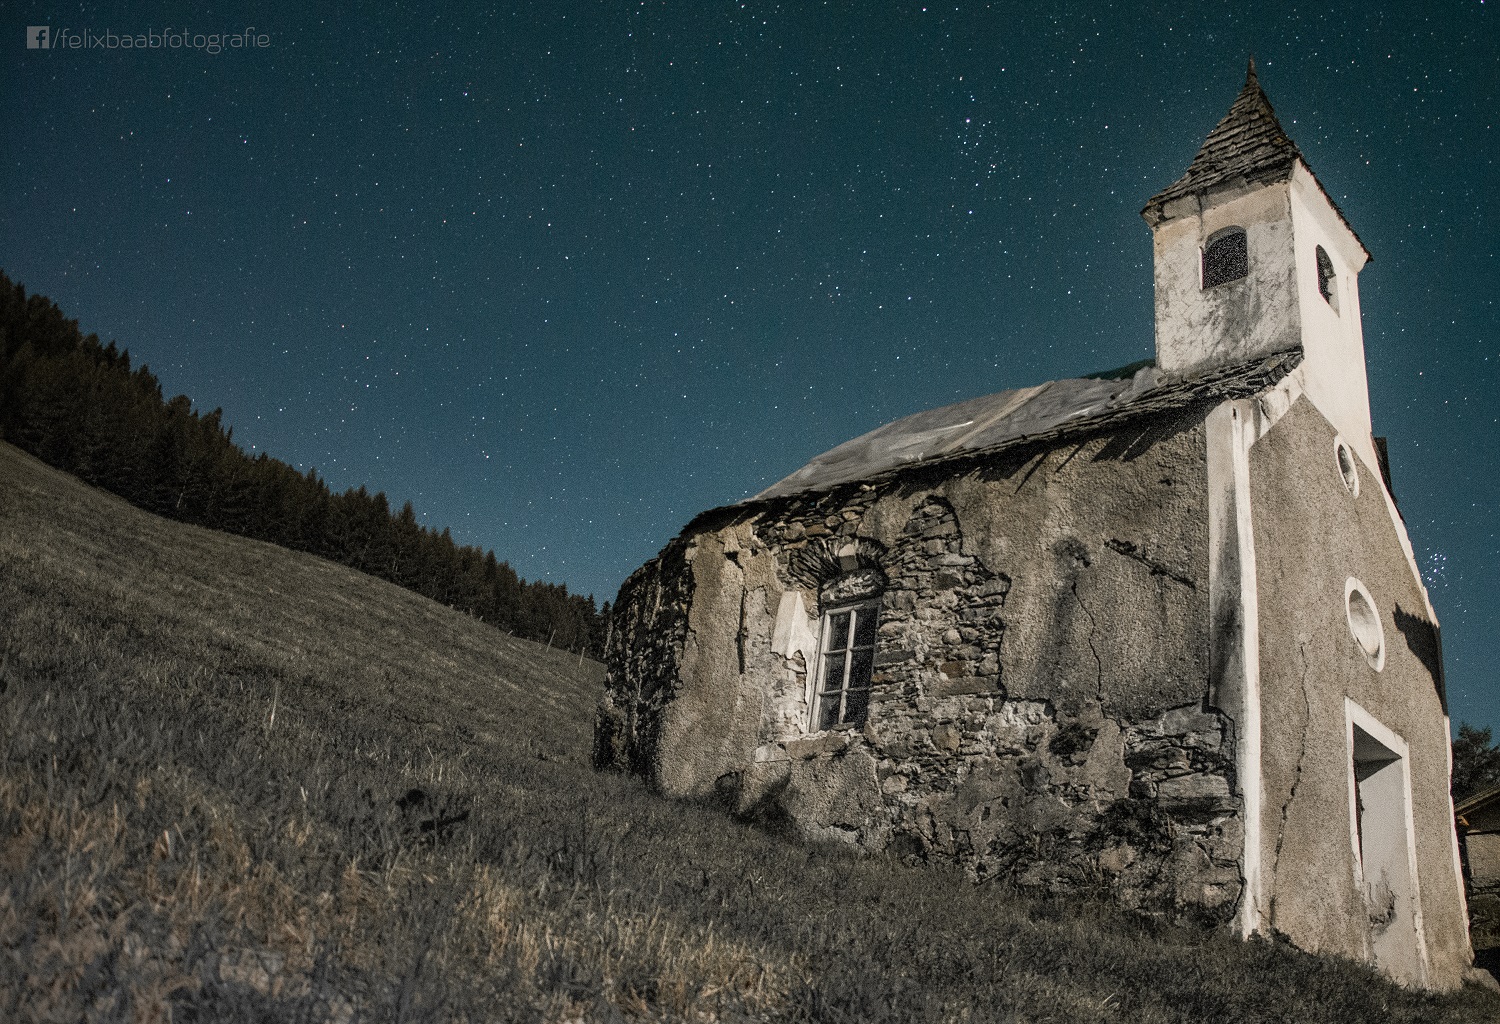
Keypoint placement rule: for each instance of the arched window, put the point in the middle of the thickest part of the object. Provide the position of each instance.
(1325, 279)
(1226, 257)
(850, 585)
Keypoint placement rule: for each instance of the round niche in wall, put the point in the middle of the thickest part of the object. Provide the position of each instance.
(1344, 458)
(1364, 622)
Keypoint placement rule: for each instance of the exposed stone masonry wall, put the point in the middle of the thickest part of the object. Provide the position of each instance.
(648, 630)
(1074, 781)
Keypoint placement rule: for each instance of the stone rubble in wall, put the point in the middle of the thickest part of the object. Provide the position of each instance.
(1009, 788)
(648, 632)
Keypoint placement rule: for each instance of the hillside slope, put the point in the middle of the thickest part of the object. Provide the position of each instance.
(239, 783)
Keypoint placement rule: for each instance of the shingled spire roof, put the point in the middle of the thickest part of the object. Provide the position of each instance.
(1247, 146)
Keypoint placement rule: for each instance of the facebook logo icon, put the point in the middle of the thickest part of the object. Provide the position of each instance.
(38, 37)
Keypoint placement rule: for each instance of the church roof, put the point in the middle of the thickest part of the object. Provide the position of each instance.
(1051, 413)
(1248, 145)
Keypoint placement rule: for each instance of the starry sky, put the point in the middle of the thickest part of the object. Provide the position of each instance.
(563, 275)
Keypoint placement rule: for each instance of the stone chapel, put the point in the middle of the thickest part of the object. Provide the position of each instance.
(1160, 631)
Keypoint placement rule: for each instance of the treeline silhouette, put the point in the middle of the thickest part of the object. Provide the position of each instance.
(78, 405)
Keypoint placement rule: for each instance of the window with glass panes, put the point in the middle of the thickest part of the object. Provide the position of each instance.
(846, 664)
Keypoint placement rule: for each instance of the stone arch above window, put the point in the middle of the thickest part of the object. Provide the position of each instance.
(823, 562)
(1226, 257)
(857, 585)
(1327, 285)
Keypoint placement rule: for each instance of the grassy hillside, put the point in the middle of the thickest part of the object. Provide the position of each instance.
(238, 783)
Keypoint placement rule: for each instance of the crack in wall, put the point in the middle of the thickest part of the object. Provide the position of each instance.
(742, 637)
(1130, 550)
(1291, 796)
(1098, 662)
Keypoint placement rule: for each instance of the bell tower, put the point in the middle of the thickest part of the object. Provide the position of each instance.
(1252, 257)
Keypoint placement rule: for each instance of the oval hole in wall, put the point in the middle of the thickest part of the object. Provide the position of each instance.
(1348, 471)
(1364, 622)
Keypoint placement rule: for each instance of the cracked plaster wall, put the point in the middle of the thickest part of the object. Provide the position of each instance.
(1311, 534)
(1256, 315)
(1038, 708)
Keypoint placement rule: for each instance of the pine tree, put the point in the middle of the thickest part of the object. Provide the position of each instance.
(80, 406)
(1476, 762)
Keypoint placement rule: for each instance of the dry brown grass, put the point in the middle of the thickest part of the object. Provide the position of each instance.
(208, 752)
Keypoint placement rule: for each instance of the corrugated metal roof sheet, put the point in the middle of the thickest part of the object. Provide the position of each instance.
(1054, 412)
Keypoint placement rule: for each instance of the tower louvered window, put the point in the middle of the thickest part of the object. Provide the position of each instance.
(1226, 257)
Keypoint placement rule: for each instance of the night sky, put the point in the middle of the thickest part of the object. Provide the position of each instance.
(565, 275)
